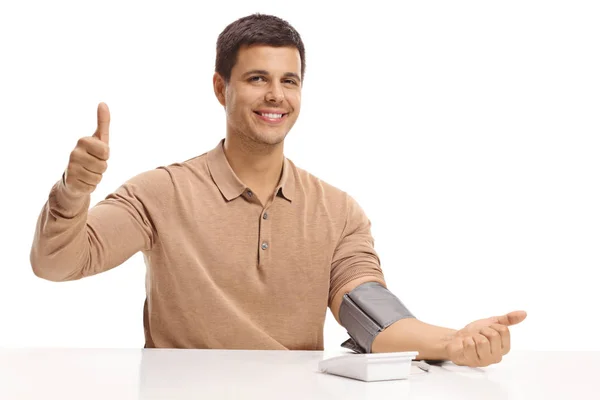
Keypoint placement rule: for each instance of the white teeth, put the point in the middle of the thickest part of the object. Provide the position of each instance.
(272, 116)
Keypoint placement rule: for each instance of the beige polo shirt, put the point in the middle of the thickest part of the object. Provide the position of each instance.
(223, 271)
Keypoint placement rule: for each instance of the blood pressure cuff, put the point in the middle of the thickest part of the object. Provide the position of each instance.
(368, 310)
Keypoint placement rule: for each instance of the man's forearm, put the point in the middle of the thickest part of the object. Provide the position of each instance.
(410, 334)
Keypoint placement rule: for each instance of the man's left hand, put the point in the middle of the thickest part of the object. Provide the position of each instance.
(483, 342)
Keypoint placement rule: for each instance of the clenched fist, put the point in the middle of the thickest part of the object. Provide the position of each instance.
(483, 342)
(87, 162)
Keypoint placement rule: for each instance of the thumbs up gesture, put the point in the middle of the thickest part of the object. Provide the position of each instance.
(87, 162)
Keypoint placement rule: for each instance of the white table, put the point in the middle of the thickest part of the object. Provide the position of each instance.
(228, 374)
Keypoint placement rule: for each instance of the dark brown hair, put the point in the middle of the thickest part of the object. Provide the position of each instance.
(255, 29)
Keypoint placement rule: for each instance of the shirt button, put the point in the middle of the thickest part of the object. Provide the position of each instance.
(264, 246)
(249, 193)
(265, 216)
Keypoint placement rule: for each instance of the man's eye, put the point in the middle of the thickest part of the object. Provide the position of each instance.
(256, 79)
(291, 81)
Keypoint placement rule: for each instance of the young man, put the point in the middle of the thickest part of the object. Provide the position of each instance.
(243, 249)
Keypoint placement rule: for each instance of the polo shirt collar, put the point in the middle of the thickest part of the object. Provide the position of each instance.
(287, 183)
(232, 187)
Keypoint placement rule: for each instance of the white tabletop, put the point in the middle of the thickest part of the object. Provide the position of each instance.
(230, 374)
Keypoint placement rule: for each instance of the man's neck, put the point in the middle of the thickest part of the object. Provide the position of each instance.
(259, 166)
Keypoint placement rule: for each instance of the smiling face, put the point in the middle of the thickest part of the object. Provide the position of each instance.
(262, 98)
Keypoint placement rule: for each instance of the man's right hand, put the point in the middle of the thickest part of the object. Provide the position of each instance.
(87, 162)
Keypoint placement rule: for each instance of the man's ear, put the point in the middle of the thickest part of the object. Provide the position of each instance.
(219, 87)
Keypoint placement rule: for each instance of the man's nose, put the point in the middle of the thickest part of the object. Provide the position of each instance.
(274, 94)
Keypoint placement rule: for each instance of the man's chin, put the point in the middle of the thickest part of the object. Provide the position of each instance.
(268, 139)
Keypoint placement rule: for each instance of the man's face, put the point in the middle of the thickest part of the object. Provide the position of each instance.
(262, 99)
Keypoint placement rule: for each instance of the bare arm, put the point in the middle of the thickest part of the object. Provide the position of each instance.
(480, 343)
(407, 334)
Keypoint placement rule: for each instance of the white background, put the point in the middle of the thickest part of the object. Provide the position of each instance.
(467, 130)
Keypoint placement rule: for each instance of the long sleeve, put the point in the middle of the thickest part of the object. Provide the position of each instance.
(72, 241)
(355, 255)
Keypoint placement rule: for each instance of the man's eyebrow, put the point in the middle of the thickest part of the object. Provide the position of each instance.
(265, 72)
(257, 72)
(292, 75)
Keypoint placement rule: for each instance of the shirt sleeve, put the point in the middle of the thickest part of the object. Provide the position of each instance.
(355, 255)
(72, 241)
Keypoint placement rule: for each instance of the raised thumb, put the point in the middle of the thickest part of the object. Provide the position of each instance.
(103, 123)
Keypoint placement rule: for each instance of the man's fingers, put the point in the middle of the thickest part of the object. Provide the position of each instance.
(480, 349)
(470, 352)
(103, 123)
(504, 336)
(94, 147)
(89, 177)
(512, 318)
(88, 161)
(81, 180)
(484, 350)
(493, 336)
